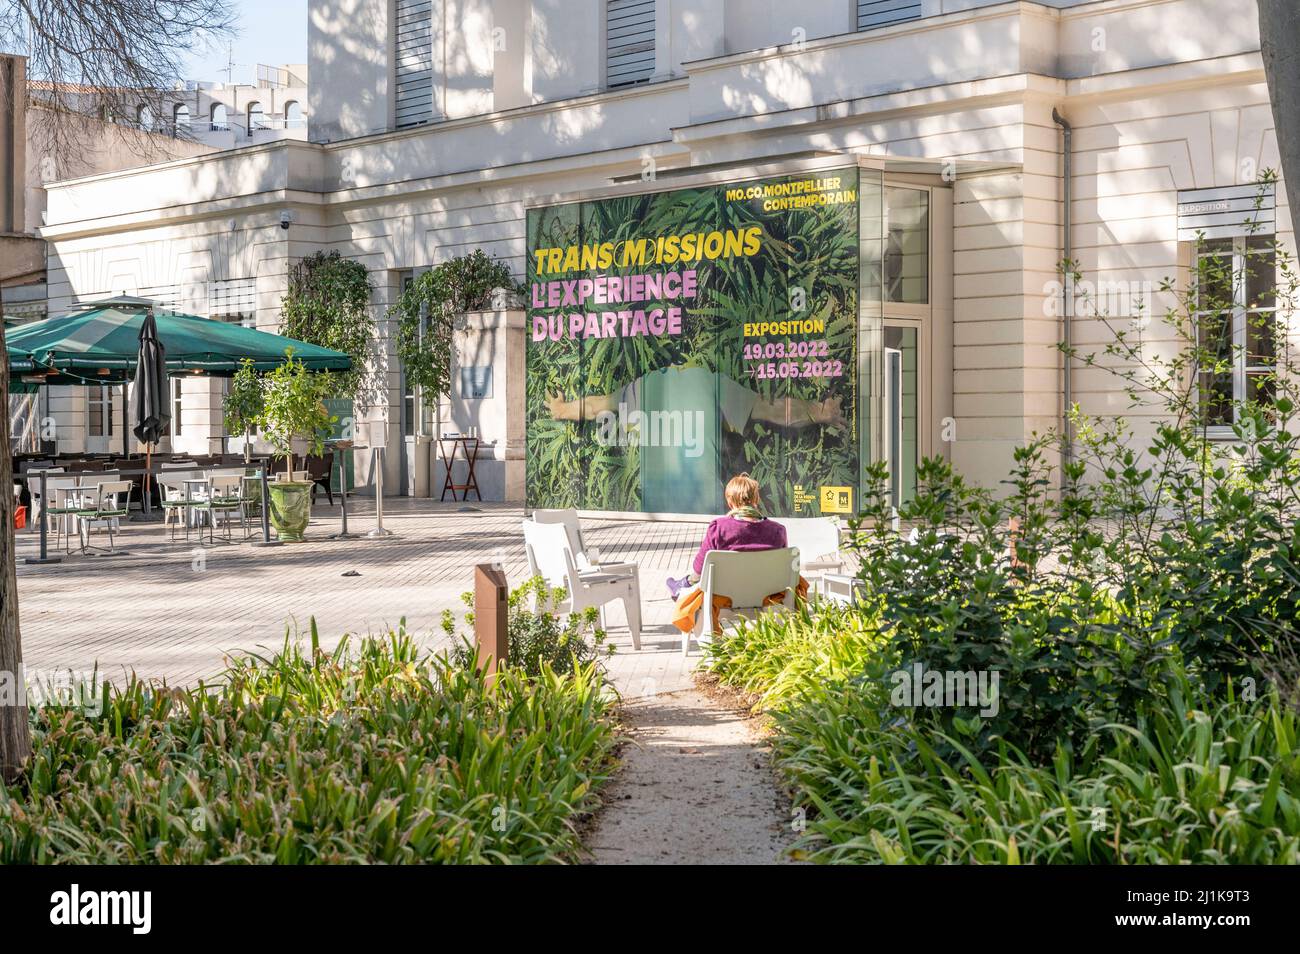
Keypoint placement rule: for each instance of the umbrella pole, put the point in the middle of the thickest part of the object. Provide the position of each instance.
(147, 502)
(126, 448)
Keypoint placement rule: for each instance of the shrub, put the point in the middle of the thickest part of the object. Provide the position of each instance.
(370, 753)
(538, 638)
(1188, 779)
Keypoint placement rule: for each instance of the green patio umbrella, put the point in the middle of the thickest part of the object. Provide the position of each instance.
(99, 345)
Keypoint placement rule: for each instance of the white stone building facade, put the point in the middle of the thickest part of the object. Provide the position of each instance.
(434, 125)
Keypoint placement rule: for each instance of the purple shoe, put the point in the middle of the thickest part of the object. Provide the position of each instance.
(676, 586)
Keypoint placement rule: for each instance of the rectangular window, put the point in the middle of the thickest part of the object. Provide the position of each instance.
(176, 407)
(233, 300)
(412, 62)
(629, 42)
(100, 411)
(879, 13)
(1234, 319)
(907, 245)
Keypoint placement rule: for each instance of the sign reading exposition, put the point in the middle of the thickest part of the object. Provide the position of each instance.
(676, 339)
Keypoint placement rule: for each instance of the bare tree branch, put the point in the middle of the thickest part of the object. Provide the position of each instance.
(105, 59)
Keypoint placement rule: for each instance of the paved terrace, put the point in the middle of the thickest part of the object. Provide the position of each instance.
(173, 610)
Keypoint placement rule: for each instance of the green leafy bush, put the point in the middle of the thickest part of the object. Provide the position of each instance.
(539, 637)
(1187, 780)
(370, 753)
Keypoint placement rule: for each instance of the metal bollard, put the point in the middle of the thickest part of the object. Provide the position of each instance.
(45, 556)
(266, 540)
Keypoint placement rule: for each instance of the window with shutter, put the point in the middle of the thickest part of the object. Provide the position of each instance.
(629, 42)
(413, 62)
(878, 13)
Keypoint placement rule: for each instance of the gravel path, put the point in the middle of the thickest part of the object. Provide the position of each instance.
(696, 787)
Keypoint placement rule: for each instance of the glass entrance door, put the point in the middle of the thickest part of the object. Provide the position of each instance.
(894, 422)
(901, 410)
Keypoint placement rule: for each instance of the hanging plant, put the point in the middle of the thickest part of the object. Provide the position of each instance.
(468, 283)
(328, 304)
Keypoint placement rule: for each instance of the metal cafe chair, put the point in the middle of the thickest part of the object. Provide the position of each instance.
(108, 505)
(65, 495)
(221, 497)
(176, 503)
(34, 491)
(250, 495)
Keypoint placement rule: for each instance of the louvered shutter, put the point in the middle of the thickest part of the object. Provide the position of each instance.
(878, 13)
(629, 42)
(413, 79)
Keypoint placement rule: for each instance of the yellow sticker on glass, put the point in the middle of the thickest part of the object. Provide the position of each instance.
(837, 499)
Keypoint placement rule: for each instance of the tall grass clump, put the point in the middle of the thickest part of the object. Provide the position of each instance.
(371, 753)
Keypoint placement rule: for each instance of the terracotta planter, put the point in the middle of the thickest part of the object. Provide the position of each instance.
(290, 508)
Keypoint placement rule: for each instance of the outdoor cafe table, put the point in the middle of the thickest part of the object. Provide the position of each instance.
(469, 447)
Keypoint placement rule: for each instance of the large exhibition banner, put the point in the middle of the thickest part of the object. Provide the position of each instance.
(676, 339)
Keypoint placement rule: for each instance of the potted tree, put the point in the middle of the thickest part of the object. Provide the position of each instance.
(243, 405)
(293, 419)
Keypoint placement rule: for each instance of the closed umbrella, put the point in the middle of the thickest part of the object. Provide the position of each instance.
(152, 404)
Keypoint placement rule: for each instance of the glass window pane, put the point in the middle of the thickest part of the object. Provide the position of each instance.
(1260, 280)
(1216, 399)
(1259, 338)
(96, 414)
(1214, 333)
(907, 245)
(1260, 387)
(1214, 282)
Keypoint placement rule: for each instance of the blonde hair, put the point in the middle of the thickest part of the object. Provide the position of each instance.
(742, 491)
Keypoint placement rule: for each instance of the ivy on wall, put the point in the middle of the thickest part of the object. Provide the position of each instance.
(328, 304)
(426, 310)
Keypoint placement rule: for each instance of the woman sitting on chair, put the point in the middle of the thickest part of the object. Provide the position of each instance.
(743, 528)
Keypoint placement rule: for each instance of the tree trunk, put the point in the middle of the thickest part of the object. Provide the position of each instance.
(15, 737)
(1279, 37)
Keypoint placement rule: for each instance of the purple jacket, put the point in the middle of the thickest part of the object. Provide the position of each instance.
(728, 533)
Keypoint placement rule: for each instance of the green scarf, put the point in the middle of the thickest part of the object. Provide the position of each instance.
(745, 513)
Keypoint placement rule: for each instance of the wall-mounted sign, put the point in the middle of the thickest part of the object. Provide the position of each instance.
(1226, 212)
(476, 382)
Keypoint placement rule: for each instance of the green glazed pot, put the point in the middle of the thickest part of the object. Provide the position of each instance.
(290, 508)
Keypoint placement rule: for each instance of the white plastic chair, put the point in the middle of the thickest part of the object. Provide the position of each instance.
(581, 555)
(551, 557)
(817, 539)
(747, 578)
